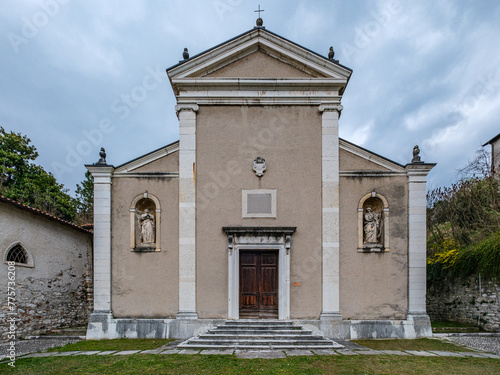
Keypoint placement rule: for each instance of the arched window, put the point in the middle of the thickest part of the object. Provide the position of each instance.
(145, 223)
(18, 254)
(373, 223)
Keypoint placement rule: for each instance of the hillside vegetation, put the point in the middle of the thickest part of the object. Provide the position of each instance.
(463, 224)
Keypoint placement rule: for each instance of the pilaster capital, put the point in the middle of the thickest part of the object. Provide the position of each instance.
(101, 173)
(418, 172)
(331, 107)
(186, 107)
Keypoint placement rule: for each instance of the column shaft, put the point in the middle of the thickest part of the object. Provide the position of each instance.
(330, 212)
(102, 237)
(187, 211)
(416, 244)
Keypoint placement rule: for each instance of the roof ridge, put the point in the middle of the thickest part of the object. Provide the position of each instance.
(258, 29)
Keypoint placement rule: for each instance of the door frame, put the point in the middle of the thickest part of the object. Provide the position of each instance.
(283, 275)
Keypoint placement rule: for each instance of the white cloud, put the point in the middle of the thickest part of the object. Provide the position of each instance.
(358, 134)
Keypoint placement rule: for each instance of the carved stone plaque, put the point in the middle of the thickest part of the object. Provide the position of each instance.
(259, 166)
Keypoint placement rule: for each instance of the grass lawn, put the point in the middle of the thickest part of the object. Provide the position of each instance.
(442, 326)
(416, 344)
(230, 364)
(118, 344)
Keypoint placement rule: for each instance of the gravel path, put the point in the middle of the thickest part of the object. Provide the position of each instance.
(488, 344)
(34, 345)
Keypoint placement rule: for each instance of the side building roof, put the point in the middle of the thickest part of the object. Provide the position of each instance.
(492, 140)
(36, 211)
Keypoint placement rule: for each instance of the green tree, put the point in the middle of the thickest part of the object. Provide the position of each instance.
(28, 183)
(85, 199)
(463, 222)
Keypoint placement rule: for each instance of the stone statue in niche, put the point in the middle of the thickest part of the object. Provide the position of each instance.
(147, 227)
(372, 227)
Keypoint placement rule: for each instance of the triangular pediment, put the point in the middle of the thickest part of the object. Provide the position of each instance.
(259, 64)
(267, 52)
(354, 158)
(162, 160)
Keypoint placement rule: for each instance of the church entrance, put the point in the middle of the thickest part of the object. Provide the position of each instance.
(258, 284)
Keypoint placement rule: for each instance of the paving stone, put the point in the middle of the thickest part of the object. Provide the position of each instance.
(107, 352)
(368, 352)
(152, 351)
(393, 352)
(189, 351)
(490, 355)
(36, 345)
(420, 353)
(218, 352)
(66, 354)
(260, 354)
(90, 352)
(35, 355)
(127, 352)
(292, 352)
(170, 351)
(345, 352)
(472, 354)
(324, 351)
(445, 354)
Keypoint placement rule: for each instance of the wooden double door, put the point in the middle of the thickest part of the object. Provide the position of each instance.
(258, 284)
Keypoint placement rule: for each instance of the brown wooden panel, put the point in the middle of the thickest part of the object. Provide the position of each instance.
(249, 282)
(258, 284)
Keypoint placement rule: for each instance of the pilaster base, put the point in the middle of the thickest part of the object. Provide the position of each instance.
(187, 315)
(421, 323)
(101, 326)
(333, 315)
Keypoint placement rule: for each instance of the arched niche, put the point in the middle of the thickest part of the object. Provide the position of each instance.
(373, 223)
(145, 220)
(19, 254)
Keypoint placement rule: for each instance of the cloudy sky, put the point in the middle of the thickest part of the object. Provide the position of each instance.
(426, 72)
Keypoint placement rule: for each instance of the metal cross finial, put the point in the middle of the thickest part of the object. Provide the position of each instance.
(259, 10)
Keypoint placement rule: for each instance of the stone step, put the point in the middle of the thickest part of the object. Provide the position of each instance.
(250, 329)
(259, 347)
(258, 335)
(259, 326)
(214, 336)
(259, 342)
(260, 323)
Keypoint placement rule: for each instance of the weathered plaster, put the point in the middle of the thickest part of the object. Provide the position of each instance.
(55, 291)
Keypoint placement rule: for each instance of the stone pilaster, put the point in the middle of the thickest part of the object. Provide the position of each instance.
(417, 174)
(187, 210)
(330, 211)
(102, 175)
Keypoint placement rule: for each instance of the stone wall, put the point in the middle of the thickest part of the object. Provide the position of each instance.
(55, 288)
(48, 303)
(461, 300)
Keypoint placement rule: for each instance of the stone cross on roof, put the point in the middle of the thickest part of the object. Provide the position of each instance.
(259, 20)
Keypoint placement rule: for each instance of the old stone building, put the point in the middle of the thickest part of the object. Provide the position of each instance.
(260, 211)
(495, 154)
(46, 270)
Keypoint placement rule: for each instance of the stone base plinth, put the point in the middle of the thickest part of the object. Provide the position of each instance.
(102, 325)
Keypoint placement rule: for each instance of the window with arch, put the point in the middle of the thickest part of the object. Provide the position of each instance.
(373, 223)
(18, 254)
(145, 223)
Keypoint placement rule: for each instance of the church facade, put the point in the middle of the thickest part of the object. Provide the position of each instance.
(260, 210)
